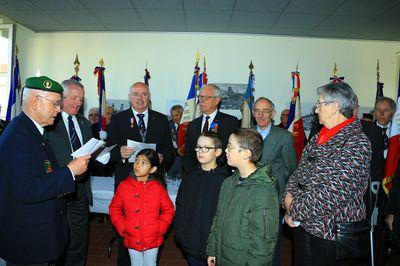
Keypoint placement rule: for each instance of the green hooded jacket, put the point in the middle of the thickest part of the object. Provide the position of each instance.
(245, 226)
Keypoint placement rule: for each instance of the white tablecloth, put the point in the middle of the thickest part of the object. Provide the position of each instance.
(103, 191)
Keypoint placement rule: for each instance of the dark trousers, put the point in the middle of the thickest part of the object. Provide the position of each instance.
(78, 221)
(195, 262)
(123, 254)
(314, 251)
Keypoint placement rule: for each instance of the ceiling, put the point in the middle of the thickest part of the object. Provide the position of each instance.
(354, 19)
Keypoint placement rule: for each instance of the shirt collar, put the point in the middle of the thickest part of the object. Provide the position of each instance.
(212, 116)
(39, 127)
(136, 113)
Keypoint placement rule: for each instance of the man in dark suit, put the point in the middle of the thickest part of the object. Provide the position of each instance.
(33, 229)
(278, 151)
(70, 131)
(176, 116)
(141, 124)
(211, 119)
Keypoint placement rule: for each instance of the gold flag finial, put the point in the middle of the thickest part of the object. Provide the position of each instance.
(335, 71)
(297, 67)
(378, 74)
(16, 49)
(146, 63)
(251, 66)
(197, 56)
(204, 62)
(76, 65)
(101, 62)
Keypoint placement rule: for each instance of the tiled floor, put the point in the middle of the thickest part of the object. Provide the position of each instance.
(100, 234)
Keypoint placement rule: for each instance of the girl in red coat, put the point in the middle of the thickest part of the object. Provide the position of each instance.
(141, 209)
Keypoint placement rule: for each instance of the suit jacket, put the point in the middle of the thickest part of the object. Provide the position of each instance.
(173, 132)
(61, 144)
(121, 129)
(33, 227)
(226, 125)
(279, 152)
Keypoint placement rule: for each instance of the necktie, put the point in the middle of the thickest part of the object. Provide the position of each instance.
(142, 126)
(75, 142)
(385, 136)
(205, 128)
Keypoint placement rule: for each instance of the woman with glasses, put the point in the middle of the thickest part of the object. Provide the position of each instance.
(197, 199)
(327, 188)
(245, 226)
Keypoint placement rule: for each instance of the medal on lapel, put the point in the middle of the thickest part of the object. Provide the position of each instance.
(47, 166)
(214, 126)
(132, 122)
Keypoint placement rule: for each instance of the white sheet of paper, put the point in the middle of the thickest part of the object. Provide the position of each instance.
(106, 149)
(88, 148)
(138, 147)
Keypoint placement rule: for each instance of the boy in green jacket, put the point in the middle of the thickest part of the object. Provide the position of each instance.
(245, 226)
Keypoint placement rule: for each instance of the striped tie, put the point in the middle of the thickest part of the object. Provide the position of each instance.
(75, 142)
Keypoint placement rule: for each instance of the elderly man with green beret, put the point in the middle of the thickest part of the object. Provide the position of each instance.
(33, 228)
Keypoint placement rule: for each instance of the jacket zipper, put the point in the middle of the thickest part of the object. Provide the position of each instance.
(264, 214)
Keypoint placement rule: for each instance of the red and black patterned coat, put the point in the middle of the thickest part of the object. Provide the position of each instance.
(330, 181)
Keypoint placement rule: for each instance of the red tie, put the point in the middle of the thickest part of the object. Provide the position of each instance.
(205, 128)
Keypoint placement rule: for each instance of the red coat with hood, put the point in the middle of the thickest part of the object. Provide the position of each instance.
(141, 212)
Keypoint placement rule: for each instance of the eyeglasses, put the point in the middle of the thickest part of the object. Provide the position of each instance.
(205, 149)
(206, 98)
(55, 103)
(318, 104)
(262, 112)
(143, 94)
(229, 147)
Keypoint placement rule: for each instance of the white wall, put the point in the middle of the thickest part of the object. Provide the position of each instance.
(170, 59)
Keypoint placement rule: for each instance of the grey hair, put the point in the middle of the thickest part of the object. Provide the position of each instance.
(177, 107)
(217, 90)
(388, 100)
(138, 83)
(66, 83)
(266, 99)
(341, 93)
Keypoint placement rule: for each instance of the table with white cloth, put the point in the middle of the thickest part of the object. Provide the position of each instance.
(103, 191)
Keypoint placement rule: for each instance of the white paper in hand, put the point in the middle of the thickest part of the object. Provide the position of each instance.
(138, 147)
(90, 147)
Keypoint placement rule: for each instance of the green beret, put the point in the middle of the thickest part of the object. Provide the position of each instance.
(43, 83)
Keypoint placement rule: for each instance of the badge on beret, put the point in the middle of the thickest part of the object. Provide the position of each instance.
(47, 84)
(43, 83)
(47, 166)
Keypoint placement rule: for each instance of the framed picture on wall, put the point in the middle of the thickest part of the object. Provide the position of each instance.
(6, 65)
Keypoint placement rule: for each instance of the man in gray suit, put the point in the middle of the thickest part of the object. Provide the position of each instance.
(68, 134)
(278, 150)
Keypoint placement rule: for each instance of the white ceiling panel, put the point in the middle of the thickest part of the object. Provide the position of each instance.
(261, 5)
(260, 19)
(367, 19)
(344, 23)
(369, 8)
(95, 4)
(314, 6)
(117, 16)
(158, 4)
(208, 4)
(204, 19)
(56, 4)
(163, 17)
(298, 20)
(289, 31)
(15, 5)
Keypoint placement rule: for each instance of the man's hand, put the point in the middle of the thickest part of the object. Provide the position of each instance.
(211, 261)
(389, 221)
(126, 151)
(79, 165)
(288, 201)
